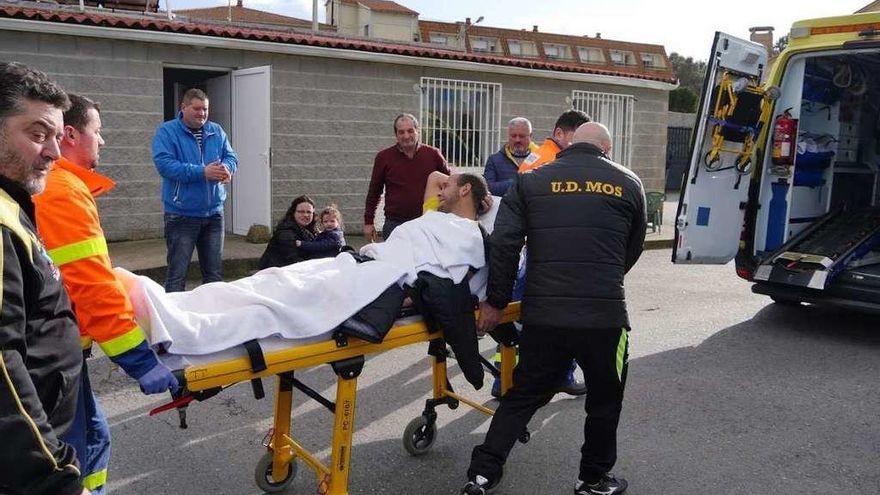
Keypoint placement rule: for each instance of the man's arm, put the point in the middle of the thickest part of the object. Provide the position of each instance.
(636, 242)
(103, 309)
(377, 184)
(490, 173)
(228, 156)
(442, 165)
(43, 463)
(169, 164)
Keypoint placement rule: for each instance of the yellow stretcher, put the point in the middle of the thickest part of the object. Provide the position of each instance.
(277, 469)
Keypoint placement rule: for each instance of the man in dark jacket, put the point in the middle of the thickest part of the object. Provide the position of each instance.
(573, 305)
(502, 167)
(40, 356)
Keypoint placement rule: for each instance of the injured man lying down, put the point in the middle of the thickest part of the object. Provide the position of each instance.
(437, 261)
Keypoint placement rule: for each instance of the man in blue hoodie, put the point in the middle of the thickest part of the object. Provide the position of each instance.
(196, 161)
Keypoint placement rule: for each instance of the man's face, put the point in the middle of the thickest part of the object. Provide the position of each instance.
(195, 113)
(29, 143)
(85, 145)
(563, 138)
(407, 134)
(518, 139)
(449, 195)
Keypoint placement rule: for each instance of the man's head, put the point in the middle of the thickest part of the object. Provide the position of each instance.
(31, 125)
(406, 129)
(82, 139)
(566, 124)
(593, 133)
(519, 136)
(463, 194)
(195, 108)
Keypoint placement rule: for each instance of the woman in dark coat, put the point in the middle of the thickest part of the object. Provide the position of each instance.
(298, 224)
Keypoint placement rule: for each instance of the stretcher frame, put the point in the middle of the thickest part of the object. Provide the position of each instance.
(277, 468)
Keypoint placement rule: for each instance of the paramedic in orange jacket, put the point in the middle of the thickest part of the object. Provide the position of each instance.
(563, 132)
(67, 220)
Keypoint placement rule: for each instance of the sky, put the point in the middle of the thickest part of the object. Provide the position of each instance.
(684, 27)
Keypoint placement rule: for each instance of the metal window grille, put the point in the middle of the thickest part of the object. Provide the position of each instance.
(462, 119)
(615, 111)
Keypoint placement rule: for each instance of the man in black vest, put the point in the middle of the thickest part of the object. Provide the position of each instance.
(583, 218)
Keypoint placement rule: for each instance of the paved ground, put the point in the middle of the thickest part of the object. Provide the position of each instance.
(728, 394)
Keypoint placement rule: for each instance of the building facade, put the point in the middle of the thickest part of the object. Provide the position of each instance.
(307, 112)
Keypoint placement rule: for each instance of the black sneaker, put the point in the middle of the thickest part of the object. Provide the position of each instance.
(478, 486)
(607, 485)
(575, 388)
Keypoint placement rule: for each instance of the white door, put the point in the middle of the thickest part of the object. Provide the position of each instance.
(712, 205)
(220, 111)
(251, 131)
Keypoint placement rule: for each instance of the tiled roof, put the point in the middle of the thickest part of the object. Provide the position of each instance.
(574, 42)
(244, 14)
(136, 5)
(384, 6)
(325, 40)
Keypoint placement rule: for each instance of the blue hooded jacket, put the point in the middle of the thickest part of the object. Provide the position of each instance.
(181, 163)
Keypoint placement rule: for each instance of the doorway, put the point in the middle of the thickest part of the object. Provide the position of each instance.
(240, 103)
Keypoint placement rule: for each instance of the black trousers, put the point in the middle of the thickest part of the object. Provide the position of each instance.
(545, 354)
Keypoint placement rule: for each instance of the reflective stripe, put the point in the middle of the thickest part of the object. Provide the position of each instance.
(497, 357)
(85, 341)
(621, 352)
(78, 250)
(123, 343)
(95, 480)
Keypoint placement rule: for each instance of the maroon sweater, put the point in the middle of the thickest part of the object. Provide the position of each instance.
(403, 180)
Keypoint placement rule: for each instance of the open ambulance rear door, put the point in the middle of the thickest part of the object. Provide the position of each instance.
(714, 195)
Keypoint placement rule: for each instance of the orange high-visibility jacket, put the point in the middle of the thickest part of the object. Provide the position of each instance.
(67, 220)
(545, 154)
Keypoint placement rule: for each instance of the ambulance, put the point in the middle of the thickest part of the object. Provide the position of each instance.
(785, 162)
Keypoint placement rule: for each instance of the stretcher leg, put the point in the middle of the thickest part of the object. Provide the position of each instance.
(343, 424)
(508, 362)
(282, 452)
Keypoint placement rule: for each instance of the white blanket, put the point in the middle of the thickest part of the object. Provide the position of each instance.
(304, 300)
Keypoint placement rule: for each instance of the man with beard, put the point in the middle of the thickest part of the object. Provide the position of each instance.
(68, 222)
(40, 358)
(402, 171)
(502, 166)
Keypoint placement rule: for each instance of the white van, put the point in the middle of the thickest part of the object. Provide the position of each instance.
(784, 167)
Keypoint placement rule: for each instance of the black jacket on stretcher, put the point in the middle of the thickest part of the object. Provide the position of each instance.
(583, 220)
(40, 359)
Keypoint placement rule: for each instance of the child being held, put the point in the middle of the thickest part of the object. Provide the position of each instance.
(330, 240)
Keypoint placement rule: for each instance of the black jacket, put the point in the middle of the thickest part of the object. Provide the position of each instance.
(583, 218)
(282, 250)
(40, 359)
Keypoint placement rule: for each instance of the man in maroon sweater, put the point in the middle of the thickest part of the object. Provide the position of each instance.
(402, 171)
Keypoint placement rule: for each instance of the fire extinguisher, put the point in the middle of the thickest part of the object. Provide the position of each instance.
(784, 133)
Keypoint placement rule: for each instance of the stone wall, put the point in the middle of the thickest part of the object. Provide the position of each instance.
(329, 117)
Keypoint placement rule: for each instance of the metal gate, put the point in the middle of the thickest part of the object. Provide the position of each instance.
(677, 155)
(462, 119)
(615, 111)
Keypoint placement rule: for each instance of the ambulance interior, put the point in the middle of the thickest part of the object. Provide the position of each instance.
(823, 212)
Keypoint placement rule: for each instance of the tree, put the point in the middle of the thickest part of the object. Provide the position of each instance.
(682, 99)
(690, 79)
(780, 44)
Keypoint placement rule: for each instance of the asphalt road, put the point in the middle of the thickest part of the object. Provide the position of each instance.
(727, 394)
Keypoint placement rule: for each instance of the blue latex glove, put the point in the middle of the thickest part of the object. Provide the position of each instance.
(158, 380)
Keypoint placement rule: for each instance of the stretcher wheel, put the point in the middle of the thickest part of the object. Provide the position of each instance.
(263, 475)
(418, 437)
(524, 437)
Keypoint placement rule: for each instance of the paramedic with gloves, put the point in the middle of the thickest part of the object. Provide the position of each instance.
(40, 361)
(573, 305)
(67, 219)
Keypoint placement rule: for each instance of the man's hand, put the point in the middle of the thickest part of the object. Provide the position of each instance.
(486, 204)
(217, 172)
(158, 380)
(490, 316)
(370, 233)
